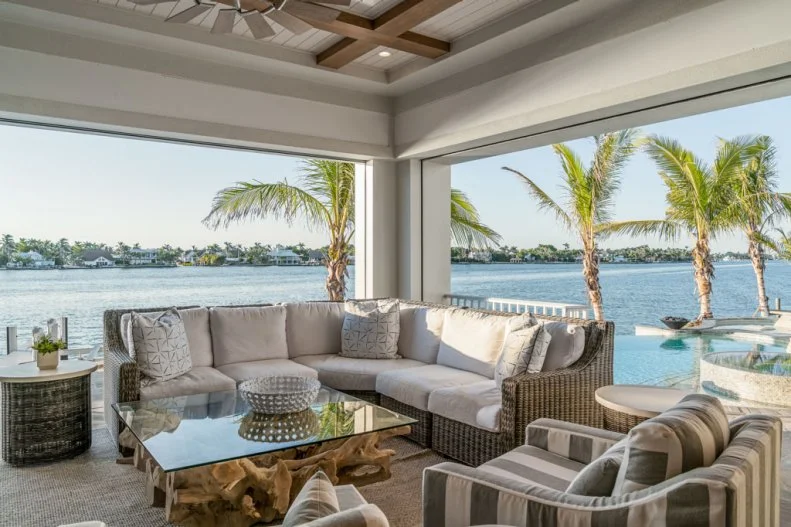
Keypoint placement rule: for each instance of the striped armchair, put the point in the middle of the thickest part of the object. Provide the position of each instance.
(527, 486)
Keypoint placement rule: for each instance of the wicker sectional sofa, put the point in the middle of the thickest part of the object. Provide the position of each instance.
(451, 393)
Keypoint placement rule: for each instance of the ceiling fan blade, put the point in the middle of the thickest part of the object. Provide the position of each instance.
(290, 22)
(258, 25)
(345, 3)
(188, 14)
(224, 22)
(151, 2)
(316, 12)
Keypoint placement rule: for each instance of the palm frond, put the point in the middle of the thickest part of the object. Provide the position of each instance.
(544, 201)
(466, 228)
(664, 229)
(256, 200)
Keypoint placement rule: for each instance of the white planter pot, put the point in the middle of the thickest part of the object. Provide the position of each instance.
(47, 361)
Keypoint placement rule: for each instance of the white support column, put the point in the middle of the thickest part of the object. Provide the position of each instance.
(376, 241)
(410, 235)
(436, 231)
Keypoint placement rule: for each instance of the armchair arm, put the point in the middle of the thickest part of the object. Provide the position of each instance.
(566, 394)
(367, 515)
(578, 442)
(458, 496)
(121, 384)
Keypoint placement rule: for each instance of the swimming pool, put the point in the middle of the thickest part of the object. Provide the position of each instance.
(662, 361)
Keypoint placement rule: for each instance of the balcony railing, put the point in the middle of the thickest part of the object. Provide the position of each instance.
(513, 305)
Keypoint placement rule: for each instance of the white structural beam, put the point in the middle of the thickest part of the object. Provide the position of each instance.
(647, 54)
(435, 208)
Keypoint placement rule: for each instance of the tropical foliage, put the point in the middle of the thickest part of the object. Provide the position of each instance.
(466, 228)
(589, 192)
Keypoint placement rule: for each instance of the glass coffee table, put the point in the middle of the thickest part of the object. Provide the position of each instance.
(208, 458)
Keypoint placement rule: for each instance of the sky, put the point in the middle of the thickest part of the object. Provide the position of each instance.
(56, 184)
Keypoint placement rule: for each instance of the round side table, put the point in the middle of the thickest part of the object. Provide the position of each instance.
(627, 405)
(46, 414)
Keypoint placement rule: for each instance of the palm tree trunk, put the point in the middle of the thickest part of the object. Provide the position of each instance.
(337, 264)
(756, 253)
(704, 272)
(590, 270)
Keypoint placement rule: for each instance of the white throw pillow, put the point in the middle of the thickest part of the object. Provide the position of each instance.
(524, 349)
(472, 340)
(371, 329)
(161, 347)
(566, 346)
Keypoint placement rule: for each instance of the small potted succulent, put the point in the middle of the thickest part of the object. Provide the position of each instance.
(47, 356)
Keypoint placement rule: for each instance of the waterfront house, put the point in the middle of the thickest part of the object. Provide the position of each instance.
(30, 260)
(282, 256)
(142, 256)
(315, 258)
(189, 257)
(480, 256)
(97, 258)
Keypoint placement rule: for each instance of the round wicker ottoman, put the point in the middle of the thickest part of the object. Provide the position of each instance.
(46, 414)
(627, 405)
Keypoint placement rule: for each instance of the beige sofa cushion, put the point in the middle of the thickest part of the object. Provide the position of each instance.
(471, 341)
(566, 345)
(196, 324)
(413, 386)
(343, 373)
(244, 334)
(242, 371)
(202, 379)
(421, 329)
(314, 328)
(476, 404)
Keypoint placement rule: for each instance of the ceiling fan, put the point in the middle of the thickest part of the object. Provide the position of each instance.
(283, 12)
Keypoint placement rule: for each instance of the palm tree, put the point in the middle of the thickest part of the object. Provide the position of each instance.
(589, 192)
(466, 228)
(324, 198)
(699, 198)
(759, 205)
(8, 245)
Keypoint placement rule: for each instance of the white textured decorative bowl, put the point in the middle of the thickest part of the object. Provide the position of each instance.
(279, 395)
(281, 428)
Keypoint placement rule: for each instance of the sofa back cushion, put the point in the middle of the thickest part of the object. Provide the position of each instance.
(471, 341)
(242, 334)
(566, 346)
(314, 328)
(421, 330)
(196, 324)
(690, 435)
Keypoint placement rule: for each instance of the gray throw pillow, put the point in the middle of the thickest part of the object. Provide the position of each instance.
(524, 349)
(370, 329)
(598, 477)
(160, 345)
(316, 500)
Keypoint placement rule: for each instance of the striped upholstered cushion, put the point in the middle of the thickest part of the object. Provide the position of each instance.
(598, 478)
(577, 442)
(529, 464)
(367, 515)
(690, 435)
(316, 500)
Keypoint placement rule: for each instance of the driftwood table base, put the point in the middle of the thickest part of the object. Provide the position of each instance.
(245, 491)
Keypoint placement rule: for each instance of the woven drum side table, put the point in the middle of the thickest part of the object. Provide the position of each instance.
(46, 414)
(627, 405)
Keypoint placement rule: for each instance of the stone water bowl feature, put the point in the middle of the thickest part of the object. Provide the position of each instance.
(750, 377)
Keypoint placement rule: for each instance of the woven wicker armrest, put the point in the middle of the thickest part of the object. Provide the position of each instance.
(578, 442)
(121, 384)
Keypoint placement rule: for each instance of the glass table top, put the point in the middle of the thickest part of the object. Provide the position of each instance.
(194, 430)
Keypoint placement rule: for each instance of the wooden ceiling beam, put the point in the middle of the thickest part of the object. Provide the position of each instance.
(396, 23)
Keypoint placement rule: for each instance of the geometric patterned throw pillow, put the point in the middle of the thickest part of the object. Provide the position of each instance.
(370, 329)
(160, 345)
(524, 349)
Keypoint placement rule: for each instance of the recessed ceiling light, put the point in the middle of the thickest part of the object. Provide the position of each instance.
(384, 53)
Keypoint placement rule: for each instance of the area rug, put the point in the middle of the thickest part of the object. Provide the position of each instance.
(94, 487)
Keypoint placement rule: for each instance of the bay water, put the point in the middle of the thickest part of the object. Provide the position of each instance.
(633, 293)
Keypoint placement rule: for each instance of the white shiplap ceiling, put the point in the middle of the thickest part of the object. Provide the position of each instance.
(450, 25)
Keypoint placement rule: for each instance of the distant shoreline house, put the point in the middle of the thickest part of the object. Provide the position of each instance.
(315, 258)
(281, 256)
(189, 257)
(480, 256)
(29, 260)
(143, 256)
(97, 258)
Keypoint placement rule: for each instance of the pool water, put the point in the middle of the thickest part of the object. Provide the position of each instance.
(661, 361)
